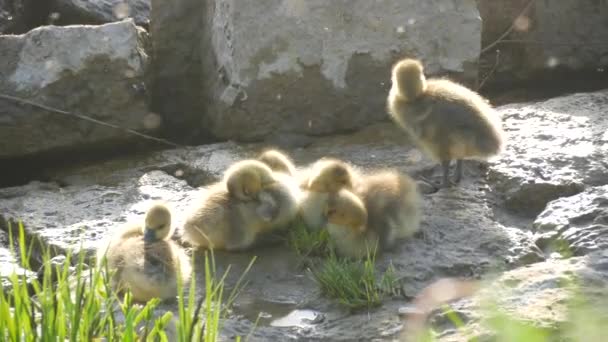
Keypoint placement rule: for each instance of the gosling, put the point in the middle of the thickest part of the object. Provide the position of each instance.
(220, 221)
(447, 120)
(246, 179)
(144, 259)
(326, 176)
(347, 226)
(393, 205)
(278, 162)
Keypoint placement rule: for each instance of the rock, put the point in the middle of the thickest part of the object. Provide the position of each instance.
(550, 36)
(575, 225)
(300, 68)
(554, 149)
(177, 28)
(561, 297)
(98, 71)
(94, 12)
(460, 235)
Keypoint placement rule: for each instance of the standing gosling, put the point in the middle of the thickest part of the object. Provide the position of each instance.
(220, 221)
(145, 260)
(447, 120)
(246, 178)
(278, 161)
(326, 176)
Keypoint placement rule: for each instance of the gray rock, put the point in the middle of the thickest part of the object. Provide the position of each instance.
(282, 68)
(575, 225)
(461, 236)
(97, 71)
(550, 35)
(545, 295)
(554, 149)
(101, 11)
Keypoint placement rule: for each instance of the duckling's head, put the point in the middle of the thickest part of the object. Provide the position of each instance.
(245, 179)
(158, 223)
(408, 78)
(330, 175)
(347, 210)
(277, 161)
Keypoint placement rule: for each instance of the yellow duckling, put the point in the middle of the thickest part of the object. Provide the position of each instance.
(326, 176)
(392, 201)
(278, 161)
(145, 260)
(246, 178)
(220, 221)
(347, 225)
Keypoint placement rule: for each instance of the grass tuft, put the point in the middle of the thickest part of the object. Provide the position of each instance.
(355, 284)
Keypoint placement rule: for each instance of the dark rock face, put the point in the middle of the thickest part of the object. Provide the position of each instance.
(177, 29)
(550, 35)
(555, 148)
(280, 70)
(97, 71)
(70, 12)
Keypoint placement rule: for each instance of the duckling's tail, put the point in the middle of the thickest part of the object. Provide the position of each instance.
(408, 78)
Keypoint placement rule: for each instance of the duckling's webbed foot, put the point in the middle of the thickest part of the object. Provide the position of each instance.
(458, 171)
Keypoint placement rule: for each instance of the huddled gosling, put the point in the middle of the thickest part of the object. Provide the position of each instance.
(347, 225)
(383, 209)
(278, 161)
(246, 178)
(221, 221)
(145, 260)
(326, 176)
(393, 205)
(447, 120)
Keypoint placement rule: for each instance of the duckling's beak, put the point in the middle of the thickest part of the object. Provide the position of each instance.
(149, 235)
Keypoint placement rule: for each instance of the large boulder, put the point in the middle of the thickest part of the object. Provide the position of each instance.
(568, 35)
(97, 71)
(280, 68)
(100, 11)
(554, 149)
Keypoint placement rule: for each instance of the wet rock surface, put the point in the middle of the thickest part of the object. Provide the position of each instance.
(460, 236)
(555, 148)
(545, 294)
(97, 71)
(575, 225)
(93, 12)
